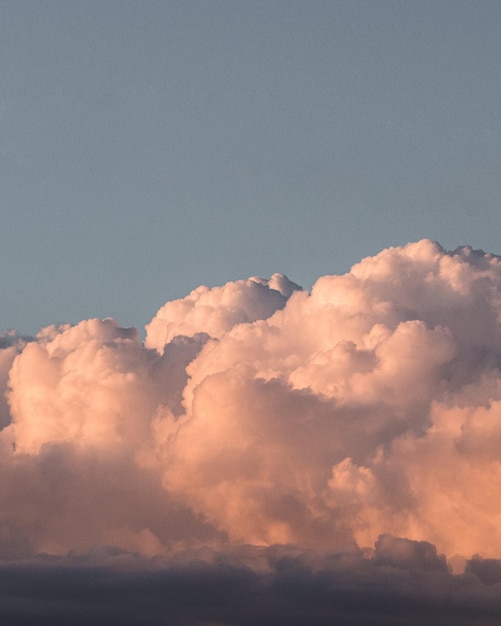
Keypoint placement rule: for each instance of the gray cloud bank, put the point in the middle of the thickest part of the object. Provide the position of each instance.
(402, 582)
(266, 454)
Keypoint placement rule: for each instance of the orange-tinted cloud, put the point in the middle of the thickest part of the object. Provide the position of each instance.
(258, 413)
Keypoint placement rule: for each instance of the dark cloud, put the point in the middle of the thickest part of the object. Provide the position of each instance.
(294, 588)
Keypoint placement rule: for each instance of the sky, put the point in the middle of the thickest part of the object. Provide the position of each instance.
(148, 148)
(250, 369)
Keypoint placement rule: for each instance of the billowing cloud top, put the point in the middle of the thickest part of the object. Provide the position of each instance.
(257, 413)
(215, 311)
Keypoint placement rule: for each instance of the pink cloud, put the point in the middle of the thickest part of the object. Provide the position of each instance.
(258, 413)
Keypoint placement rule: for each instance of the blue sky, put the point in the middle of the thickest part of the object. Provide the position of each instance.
(150, 147)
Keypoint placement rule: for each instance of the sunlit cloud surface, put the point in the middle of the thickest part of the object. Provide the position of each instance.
(347, 437)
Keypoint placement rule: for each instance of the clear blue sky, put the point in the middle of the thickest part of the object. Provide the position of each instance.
(150, 147)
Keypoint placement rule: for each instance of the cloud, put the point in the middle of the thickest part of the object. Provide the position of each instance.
(363, 413)
(402, 582)
(368, 406)
(215, 311)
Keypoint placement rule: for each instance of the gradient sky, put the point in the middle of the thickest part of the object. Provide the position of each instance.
(150, 147)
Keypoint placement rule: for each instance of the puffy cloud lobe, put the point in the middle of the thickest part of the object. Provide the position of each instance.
(89, 384)
(83, 400)
(260, 413)
(215, 311)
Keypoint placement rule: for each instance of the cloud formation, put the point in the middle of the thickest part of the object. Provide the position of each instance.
(403, 582)
(365, 413)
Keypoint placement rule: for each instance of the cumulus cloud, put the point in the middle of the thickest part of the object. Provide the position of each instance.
(368, 406)
(364, 413)
(215, 311)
